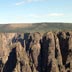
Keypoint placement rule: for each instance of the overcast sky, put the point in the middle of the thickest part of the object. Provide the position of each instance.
(30, 11)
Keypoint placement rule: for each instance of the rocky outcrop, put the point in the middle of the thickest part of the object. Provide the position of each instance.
(22, 59)
(35, 52)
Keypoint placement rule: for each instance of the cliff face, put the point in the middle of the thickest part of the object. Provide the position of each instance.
(33, 52)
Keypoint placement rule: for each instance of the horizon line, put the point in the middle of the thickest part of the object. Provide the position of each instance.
(34, 22)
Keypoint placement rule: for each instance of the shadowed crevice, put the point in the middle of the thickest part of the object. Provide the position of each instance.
(63, 42)
(11, 62)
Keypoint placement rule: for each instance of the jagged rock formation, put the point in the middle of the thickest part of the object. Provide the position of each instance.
(35, 52)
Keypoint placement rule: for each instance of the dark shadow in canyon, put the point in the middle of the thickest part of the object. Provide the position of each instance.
(63, 42)
(44, 55)
(11, 62)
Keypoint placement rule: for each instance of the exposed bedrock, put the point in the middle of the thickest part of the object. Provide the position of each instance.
(36, 52)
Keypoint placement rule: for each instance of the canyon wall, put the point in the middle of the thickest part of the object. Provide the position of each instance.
(36, 52)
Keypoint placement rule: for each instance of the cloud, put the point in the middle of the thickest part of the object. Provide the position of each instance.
(47, 15)
(40, 16)
(35, 16)
(56, 14)
(28, 1)
(20, 3)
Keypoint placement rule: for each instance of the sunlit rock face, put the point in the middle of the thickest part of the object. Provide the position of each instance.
(36, 52)
(5, 40)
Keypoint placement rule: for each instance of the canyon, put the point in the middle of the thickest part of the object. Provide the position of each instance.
(36, 52)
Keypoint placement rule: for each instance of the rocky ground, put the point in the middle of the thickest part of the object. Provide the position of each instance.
(35, 52)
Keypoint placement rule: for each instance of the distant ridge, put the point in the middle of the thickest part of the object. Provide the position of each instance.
(33, 27)
(14, 26)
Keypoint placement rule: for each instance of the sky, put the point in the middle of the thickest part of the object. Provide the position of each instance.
(33, 11)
